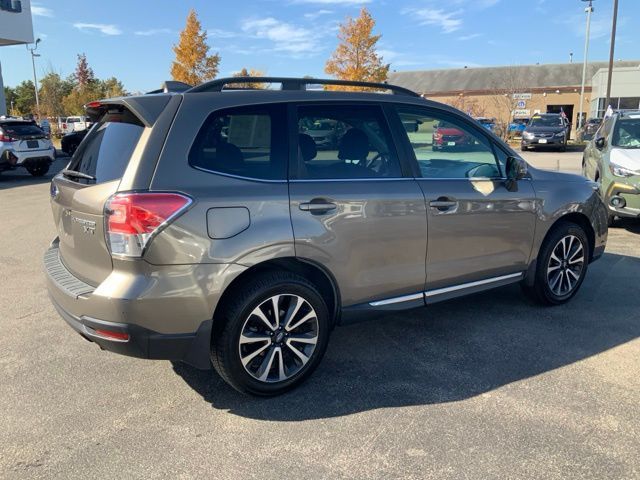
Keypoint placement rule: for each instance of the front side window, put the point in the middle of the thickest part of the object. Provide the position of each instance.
(447, 147)
(245, 142)
(342, 142)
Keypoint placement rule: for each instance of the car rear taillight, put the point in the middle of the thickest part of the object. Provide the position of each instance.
(133, 219)
(6, 138)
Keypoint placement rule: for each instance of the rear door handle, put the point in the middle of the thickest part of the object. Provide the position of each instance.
(317, 206)
(443, 204)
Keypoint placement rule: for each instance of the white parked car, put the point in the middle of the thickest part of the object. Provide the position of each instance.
(24, 144)
(73, 124)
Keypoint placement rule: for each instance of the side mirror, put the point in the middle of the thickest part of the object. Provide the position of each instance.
(600, 143)
(516, 169)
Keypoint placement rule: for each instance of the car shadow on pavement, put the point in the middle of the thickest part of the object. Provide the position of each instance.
(21, 178)
(449, 351)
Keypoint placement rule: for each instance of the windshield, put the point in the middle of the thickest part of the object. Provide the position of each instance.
(626, 133)
(105, 152)
(546, 121)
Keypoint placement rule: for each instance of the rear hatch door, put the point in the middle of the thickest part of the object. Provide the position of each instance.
(80, 192)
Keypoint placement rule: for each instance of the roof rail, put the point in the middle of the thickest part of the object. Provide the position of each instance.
(296, 84)
(172, 86)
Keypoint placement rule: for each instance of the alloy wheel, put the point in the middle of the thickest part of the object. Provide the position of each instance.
(565, 266)
(278, 338)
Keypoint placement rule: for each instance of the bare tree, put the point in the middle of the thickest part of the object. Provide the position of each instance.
(508, 84)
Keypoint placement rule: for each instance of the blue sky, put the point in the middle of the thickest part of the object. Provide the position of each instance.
(132, 40)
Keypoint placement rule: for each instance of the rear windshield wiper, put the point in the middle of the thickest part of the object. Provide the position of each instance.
(74, 174)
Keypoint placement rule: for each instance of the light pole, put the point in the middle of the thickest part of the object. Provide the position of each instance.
(589, 11)
(35, 78)
(613, 47)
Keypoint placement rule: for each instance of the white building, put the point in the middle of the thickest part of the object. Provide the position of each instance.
(16, 27)
(625, 90)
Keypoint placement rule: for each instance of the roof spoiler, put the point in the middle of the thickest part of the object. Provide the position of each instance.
(297, 84)
(172, 86)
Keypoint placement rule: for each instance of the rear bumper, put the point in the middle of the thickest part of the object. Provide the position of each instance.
(141, 342)
(165, 311)
(47, 155)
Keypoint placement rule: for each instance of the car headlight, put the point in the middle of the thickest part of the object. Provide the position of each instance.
(560, 134)
(619, 171)
(528, 135)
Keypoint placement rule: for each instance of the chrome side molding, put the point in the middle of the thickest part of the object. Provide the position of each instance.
(447, 290)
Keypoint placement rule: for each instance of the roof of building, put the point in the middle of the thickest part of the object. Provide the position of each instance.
(492, 78)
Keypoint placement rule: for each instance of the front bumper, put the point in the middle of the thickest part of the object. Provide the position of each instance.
(629, 192)
(132, 313)
(547, 142)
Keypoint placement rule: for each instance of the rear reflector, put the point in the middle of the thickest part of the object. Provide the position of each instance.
(132, 219)
(110, 335)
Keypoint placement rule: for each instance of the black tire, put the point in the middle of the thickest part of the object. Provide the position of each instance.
(523, 148)
(38, 170)
(235, 314)
(541, 291)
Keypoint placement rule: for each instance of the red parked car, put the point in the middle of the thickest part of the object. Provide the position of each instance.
(448, 136)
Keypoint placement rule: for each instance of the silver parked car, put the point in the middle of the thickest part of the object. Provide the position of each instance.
(207, 226)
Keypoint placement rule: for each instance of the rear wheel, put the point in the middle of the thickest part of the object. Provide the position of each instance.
(38, 169)
(562, 265)
(271, 335)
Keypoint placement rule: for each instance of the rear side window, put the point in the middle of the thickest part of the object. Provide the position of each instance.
(345, 142)
(106, 150)
(247, 142)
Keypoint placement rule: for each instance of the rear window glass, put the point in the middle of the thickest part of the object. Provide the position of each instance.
(19, 129)
(106, 150)
(246, 142)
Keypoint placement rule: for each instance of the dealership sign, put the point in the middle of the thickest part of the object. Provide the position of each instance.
(15, 22)
(522, 113)
(522, 96)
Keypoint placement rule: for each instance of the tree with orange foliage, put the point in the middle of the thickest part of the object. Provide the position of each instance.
(249, 73)
(193, 64)
(355, 58)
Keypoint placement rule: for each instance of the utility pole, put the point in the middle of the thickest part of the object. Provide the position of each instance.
(589, 11)
(611, 52)
(35, 78)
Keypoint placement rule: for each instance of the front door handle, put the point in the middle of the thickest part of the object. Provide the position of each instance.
(444, 204)
(318, 206)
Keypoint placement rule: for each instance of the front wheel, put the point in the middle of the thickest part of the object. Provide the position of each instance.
(271, 335)
(562, 265)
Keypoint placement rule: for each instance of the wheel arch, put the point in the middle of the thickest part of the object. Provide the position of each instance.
(573, 217)
(317, 274)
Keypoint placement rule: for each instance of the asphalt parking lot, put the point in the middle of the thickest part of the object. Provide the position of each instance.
(490, 386)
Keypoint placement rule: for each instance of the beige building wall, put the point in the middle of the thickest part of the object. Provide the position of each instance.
(488, 104)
